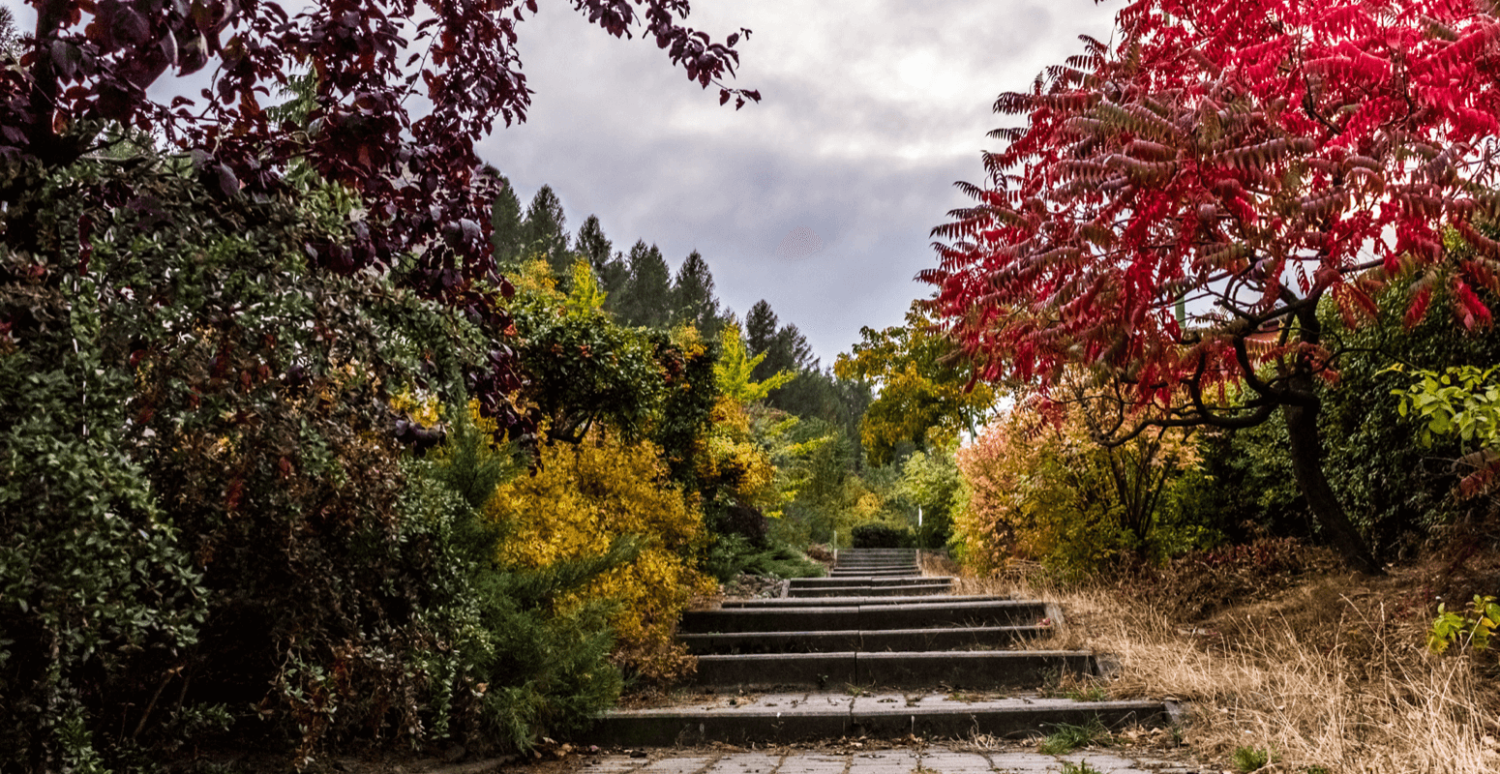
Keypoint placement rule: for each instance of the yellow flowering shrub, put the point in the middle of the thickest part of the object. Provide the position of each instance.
(581, 499)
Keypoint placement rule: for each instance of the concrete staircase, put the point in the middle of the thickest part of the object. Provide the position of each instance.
(872, 572)
(874, 648)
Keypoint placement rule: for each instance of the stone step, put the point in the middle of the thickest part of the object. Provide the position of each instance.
(874, 572)
(909, 589)
(846, 580)
(975, 670)
(864, 617)
(902, 640)
(859, 600)
(785, 718)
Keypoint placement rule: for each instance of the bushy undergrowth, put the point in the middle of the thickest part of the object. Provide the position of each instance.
(208, 518)
(584, 498)
(882, 536)
(506, 659)
(734, 555)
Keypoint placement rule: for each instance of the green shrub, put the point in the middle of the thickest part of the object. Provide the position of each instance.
(204, 500)
(734, 555)
(882, 536)
(503, 662)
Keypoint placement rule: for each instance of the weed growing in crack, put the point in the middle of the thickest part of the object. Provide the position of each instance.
(1070, 737)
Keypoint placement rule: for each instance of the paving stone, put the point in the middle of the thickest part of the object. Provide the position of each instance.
(946, 762)
(1024, 763)
(884, 762)
(813, 764)
(1104, 763)
(676, 765)
(613, 764)
(745, 763)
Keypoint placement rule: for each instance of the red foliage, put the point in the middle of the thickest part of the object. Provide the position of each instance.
(1247, 156)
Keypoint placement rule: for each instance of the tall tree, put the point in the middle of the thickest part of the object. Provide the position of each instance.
(693, 300)
(1249, 158)
(924, 385)
(789, 351)
(545, 234)
(609, 268)
(505, 225)
(760, 327)
(784, 348)
(647, 297)
(593, 245)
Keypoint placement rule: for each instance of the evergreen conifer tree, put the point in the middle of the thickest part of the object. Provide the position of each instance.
(593, 245)
(693, 298)
(647, 296)
(505, 225)
(544, 232)
(760, 327)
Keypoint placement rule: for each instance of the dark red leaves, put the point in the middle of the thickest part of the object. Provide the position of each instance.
(415, 174)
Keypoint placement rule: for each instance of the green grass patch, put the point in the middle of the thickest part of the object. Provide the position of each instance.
(1068, 738)
(1248, 759)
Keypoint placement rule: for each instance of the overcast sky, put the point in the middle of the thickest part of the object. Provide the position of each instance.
(871, 111)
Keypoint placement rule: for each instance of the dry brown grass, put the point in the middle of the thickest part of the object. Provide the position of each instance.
(1327, 670)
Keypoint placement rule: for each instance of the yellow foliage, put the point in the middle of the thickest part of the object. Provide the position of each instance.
(1044, 489)
(734, 461)
(732, 372)
(688, 339)
(586, 298)
(581, 500)
(419, 406)
(535, 276)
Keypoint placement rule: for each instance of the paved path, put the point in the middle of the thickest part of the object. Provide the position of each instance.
(928, 760)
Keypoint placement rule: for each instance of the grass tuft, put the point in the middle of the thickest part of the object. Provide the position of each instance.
(1248, 759)
(1068, 738)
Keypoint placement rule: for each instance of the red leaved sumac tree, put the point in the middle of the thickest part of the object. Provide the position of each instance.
(1178, 205)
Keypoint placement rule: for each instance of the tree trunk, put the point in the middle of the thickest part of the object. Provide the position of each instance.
(1307, 466)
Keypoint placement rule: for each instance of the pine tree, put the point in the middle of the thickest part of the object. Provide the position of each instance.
(544, 232)
(505, 225)
(760, 327)
(693, 300)
(647, 295)
(614, 278)
(787, 350)
(594, 246)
